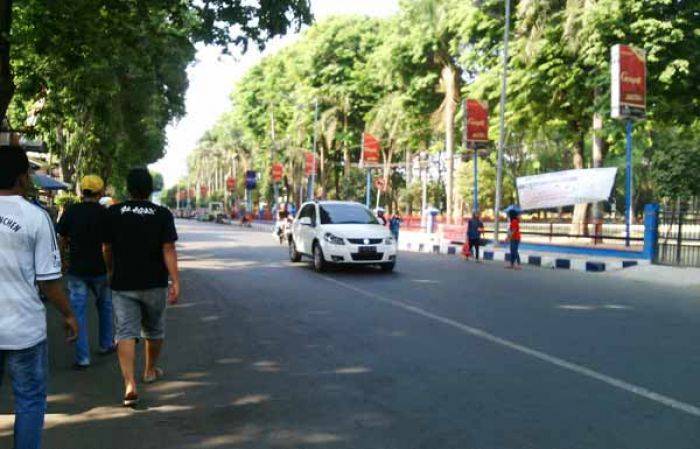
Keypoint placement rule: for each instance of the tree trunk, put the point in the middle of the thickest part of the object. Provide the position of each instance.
(7, 86)
(346, 150)
(449, 80)
(409, 166)
(322, 171)
(579, 223)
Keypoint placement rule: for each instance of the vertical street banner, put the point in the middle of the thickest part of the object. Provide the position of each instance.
(628, 75)
(251, 180)
(230, 183)
(310, 165)
(477, 122)
(370, 150)
(566, 188)
(277, 172)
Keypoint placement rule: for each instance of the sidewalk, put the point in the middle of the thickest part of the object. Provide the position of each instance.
(433, 243)
(681, 277)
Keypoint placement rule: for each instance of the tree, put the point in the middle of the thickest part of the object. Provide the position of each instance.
(112, 74)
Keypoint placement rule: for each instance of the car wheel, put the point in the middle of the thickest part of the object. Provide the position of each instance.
(294, 255)
(319, 261)
(388, 267)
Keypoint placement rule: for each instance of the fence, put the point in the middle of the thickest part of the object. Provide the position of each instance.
(602, 234)
(679, 234)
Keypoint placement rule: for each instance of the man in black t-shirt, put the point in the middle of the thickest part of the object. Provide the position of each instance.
(80, 229)
(140, 254)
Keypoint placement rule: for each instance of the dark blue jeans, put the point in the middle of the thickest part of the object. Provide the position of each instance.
(514, 254)
(28, 370)
(79, 286)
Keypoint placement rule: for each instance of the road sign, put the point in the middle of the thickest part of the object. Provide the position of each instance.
(477, 123)
(230, 183)
(251, 180)
(370, 149)
(310, 166)
(380, 184)
(277, 172)
(628, 82)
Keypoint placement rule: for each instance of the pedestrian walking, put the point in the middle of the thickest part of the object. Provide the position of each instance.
(80, 228)
(395, 225)
(140, 255)
(475, 229)
(29, 256)
(514, 238)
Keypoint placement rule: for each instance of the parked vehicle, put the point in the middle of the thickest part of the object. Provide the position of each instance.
(341, 232)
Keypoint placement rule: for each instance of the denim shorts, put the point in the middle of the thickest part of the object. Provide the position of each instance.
(139, 314)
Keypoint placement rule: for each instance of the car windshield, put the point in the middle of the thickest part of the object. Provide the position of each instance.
(346, 214)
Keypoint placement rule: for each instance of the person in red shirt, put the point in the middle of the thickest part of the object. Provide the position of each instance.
(514, 238)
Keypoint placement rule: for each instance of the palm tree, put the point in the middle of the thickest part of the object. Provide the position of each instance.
(432, 29)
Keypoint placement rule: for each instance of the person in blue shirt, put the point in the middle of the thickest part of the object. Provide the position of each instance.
(394, 225)
(475, 228)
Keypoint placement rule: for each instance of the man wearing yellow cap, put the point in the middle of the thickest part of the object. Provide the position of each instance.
(81, 228)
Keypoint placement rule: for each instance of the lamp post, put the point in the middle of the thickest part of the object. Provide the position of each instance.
(424, 185)
(502, 125)
(312, 178)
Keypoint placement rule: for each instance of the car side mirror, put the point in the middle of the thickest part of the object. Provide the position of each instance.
(305, 221)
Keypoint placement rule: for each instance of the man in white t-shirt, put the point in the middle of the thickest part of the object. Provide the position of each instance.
(29, 256)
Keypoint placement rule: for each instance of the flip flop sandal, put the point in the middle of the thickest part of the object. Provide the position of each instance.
(131, 400)
(158, 373)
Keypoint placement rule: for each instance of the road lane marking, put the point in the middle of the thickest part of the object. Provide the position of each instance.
(553, 360)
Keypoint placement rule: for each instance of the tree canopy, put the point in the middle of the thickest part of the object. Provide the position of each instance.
(101, 80)
(403, 79)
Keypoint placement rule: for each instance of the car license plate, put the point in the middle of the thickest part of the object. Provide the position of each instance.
(367, 249)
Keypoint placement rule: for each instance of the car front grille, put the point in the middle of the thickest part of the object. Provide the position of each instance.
(362, 257)
(362, 241)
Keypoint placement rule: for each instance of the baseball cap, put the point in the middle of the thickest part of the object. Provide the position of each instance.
(92, 183)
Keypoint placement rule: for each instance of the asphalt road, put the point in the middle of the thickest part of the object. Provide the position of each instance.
(262, 353)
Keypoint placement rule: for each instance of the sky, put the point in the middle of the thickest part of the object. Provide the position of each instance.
(213, 76)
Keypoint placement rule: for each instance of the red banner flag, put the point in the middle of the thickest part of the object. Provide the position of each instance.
(628, 82)
(277, 172)
(370, 150)
(310, 166)
(230, 183)
(477, 121)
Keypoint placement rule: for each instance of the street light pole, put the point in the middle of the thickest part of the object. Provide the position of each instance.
(312, 180)
(502, 125)
(424, 185)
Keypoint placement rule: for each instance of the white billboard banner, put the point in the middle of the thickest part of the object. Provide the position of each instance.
(566, 188)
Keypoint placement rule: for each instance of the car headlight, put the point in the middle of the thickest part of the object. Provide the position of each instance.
(333, 239)
(389, 241)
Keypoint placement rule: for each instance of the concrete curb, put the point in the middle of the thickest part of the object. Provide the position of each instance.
(429, 244)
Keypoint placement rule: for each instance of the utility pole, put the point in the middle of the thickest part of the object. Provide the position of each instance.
(502, 125)
(273, 150)
(312, 178)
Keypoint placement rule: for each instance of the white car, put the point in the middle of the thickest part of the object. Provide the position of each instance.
(341, 232)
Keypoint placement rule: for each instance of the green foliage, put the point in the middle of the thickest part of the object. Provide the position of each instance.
(403, 78)
(676, 162)
(102, 80)
(64, 199)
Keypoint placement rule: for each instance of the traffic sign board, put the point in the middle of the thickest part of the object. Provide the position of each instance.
(380, 184)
